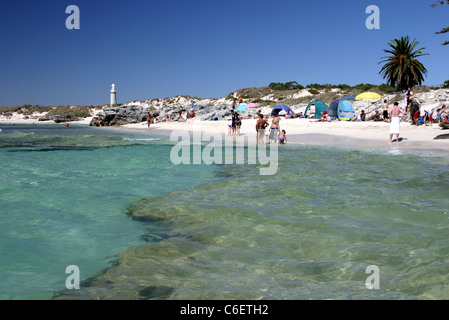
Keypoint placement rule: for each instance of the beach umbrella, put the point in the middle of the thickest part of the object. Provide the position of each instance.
(253, 105)
(241, 107)
(368, 96)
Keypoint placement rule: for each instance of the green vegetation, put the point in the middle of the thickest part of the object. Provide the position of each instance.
(446, 29)
(446, 84)
(385, 88)
(28, 110)
(77, 111)
(314, 88)
(267, 96)
(402, 68)
(328, 86)
(292, 85)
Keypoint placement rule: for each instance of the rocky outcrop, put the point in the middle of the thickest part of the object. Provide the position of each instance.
(61, 118)
(204, 112)
(212, 109)
(64, 118)
(116, 116)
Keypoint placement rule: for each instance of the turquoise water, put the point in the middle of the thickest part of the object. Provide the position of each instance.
(63, 196)
(141, 228)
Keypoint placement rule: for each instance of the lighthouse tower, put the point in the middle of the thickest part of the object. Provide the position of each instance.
(113, 96)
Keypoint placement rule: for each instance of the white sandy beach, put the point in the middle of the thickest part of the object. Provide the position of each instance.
(303, 131)
(300, 131)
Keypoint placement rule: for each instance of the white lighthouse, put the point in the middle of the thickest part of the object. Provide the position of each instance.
(113, 96)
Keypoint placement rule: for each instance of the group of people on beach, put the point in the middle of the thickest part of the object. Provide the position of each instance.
(236, 123)
(420, 117)
(276, 135)
(412, 108)
(177, 116)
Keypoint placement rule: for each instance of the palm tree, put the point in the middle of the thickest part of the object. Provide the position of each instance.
(444, 30)
(402, 68)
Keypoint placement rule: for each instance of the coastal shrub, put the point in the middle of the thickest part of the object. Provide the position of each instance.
(317, 86)
(327, 86)
(314, 91)
(291, 85)
(446, 84)
(8, 110)
(364, 86)
(385, 88)
(328, 97)
(343, 86)
(78, 111)
(29, 109)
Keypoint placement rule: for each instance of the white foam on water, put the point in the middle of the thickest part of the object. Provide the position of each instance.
(141, 139)
(395, 152)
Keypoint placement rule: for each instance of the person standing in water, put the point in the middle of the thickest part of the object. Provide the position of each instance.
(275, 128)
(149, 119)
(282, 137)
(238, 123)
(261, 124)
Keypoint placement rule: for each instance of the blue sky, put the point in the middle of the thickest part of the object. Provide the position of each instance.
(202, 48)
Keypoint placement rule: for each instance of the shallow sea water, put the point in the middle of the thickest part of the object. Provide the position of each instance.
(140, 227)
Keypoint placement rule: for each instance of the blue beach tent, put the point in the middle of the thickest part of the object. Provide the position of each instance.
(346, 111)
(320, 106)
(281, 107)
(341, 109)
(333, 109)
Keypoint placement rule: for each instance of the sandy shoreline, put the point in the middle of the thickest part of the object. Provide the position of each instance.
(300, 131)
(305, 132)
